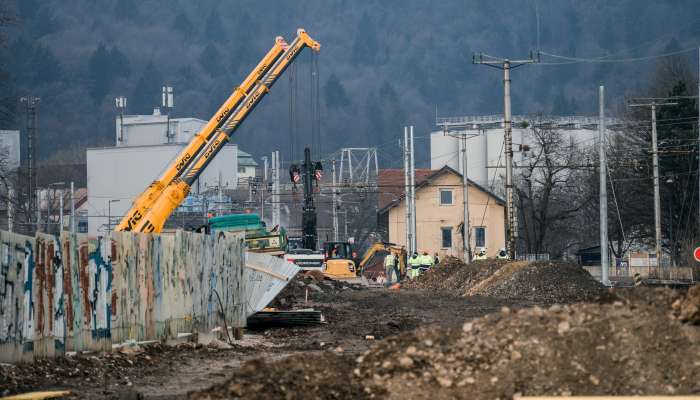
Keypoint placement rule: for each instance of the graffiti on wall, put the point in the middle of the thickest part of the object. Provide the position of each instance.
(78, 293)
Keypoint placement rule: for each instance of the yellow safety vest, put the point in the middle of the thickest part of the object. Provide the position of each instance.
(414, 261)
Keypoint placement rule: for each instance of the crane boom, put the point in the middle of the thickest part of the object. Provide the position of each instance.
(176, 191)
(145, 201)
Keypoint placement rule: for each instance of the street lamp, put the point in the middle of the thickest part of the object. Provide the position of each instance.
(109, 213)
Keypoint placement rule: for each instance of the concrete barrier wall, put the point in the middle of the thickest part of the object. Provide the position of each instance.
(76, 293)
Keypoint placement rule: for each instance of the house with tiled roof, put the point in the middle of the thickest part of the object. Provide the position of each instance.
(439, 212)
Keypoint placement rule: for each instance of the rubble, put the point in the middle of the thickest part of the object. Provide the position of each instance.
(311, 286)
(631, 346)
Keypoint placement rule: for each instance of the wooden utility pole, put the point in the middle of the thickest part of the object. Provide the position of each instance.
(507, 65)
(655, 165)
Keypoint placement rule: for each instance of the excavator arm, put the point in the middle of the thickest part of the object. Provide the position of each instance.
(145, 201)
(175, 192)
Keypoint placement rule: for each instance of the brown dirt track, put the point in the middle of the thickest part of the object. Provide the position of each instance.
(420, 348)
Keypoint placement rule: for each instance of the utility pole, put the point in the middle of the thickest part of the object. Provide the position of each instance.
(507, 65)
(32, 103)
(219, 197)
(655, 165)
(60, 213)
(275, 188)
(698, 136)
(10, 208)
(466, 242)
(72, 207)
(37, 195)
(407, 189)
(604, 259)
(414, 234)
(335, 204)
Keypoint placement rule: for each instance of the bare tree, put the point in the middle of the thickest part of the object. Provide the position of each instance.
(552, 192)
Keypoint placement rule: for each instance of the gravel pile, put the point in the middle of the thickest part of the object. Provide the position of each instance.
(452, 275)
(630, 348)
(545, 282)
(636, 345)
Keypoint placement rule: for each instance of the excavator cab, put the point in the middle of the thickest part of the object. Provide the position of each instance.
(339, 260)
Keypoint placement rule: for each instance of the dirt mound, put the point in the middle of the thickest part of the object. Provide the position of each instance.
(452, 275)
(584, 349)
(633, 346)
(325, 376)
(545, 282)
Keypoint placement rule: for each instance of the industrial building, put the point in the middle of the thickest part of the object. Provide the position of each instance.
(484, 142)
(144, 145)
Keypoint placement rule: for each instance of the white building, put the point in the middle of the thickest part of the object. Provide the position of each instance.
(247, 167)
(117, 175)
(9, 150)
(485, 147)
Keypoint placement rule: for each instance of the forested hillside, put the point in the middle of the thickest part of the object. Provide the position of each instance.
(383, 63)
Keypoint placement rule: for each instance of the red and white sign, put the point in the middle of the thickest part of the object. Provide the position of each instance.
(696, 254)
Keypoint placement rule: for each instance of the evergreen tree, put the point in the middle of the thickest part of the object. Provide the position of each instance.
(365, 48)
(119, 63)
(147, 93)
(334, 93)
(210, 60)
(183, 26)
(100, 73)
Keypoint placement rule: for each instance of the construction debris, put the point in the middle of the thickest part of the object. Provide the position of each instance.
(269, 319)
(630, 346)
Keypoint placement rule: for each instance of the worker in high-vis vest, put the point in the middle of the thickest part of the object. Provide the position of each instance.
(414, 264)
(426, 261)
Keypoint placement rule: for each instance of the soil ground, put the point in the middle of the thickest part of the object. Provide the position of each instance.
(455, 342)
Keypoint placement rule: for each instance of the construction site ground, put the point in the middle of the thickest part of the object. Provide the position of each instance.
(478, 332)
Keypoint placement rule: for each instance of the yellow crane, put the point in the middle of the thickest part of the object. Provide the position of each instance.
(153, 207)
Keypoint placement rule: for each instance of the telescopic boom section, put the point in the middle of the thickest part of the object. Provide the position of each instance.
(177, 190)
(145, 201)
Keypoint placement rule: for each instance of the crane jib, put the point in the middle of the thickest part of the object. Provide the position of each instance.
(238, 117)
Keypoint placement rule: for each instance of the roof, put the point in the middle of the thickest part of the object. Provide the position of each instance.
(391, 184)
(425, 179)
(245, 158)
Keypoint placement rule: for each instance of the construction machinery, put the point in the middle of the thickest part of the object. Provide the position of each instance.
(339, 260)
(153, 207)
(372, 263)
(258, 238)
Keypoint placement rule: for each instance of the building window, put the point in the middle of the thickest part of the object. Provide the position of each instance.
(445, 197)
(480, 236)
(446, 238)
(241, 170)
